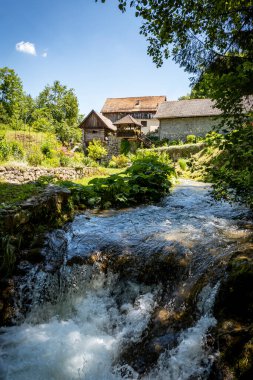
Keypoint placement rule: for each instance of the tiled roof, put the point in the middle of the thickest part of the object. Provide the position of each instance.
(133, 104)
(128, 120)
(187, 108)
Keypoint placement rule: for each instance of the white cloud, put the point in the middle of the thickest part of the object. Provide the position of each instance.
(44, 55)
(26, 47)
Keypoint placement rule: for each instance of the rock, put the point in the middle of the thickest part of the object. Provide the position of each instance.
(234, 312)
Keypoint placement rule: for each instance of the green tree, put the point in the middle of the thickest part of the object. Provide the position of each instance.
(59, 105)
(11, 93)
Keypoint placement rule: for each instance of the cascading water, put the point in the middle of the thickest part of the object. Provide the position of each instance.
(95, 303)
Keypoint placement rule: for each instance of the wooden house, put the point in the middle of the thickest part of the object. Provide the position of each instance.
(142, 109)
(96, 126)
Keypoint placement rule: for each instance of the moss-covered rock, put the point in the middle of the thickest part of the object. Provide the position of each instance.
(234, 312)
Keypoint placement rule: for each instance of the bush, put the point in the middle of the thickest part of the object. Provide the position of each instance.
(182, 163)
(213, 139)
(160, 155)
(47, 150)
(145, 181)
(125, 146)
(87, 161)
(96, 150)
(35, 157)
(53, 162)
(64, 160)
(5, 150)
(17, 150)
(120, 161)
(191, 139)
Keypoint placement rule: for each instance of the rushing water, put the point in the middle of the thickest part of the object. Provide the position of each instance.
(84, 317)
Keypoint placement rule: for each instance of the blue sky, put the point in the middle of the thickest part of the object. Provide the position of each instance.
(90, 47)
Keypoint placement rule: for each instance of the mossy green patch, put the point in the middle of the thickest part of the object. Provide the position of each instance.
(11, 193)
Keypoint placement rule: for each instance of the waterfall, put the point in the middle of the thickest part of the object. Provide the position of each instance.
(92, 307)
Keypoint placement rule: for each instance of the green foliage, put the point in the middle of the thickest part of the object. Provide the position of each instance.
(5, 150)
(233, 177)
(35, 157)
(158, 155)
(145, 181)
(47, 150)
(213, 139)
(12, 193)
(17, 150)
(87, 161)
(125, 147)
(190, 139)
(182, 163)
(11, 94)
(64, 159)
(96, 150)
(120, 161)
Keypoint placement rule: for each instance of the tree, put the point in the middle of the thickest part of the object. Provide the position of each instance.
(59, 105)
(202, 89)
(11, 93)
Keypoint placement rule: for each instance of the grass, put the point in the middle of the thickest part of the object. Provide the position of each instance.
(11, 193)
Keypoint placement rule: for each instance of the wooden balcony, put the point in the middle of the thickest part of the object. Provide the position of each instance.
(127, 134)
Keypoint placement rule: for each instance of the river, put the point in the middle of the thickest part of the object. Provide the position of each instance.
(126, 294)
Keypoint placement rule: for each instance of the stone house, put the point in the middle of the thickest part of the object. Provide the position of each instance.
(142, 109)
(180, 118)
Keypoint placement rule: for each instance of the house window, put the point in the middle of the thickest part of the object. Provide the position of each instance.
(137, 102)
(94, 131)
(144, 123)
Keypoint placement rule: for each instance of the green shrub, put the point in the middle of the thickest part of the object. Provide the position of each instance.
(87, 161)
(53, 162)
(17, 150)
(5, 150)
(35, 157)
(96, 150)
(47, 150)
(120, 161)
(191, 139)
(145, 181)
(213, 139)
(182, 163)
(64, 160)
(124, 146)
(160, 155)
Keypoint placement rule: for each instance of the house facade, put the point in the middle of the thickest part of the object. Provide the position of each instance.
(180, 118)
(142, 109)
(96, 126)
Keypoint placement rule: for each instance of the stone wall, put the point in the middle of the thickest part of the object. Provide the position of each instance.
(113, 147)
(15, 174)
(175, 129)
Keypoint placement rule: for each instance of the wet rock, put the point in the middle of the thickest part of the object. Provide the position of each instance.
(234, 312)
